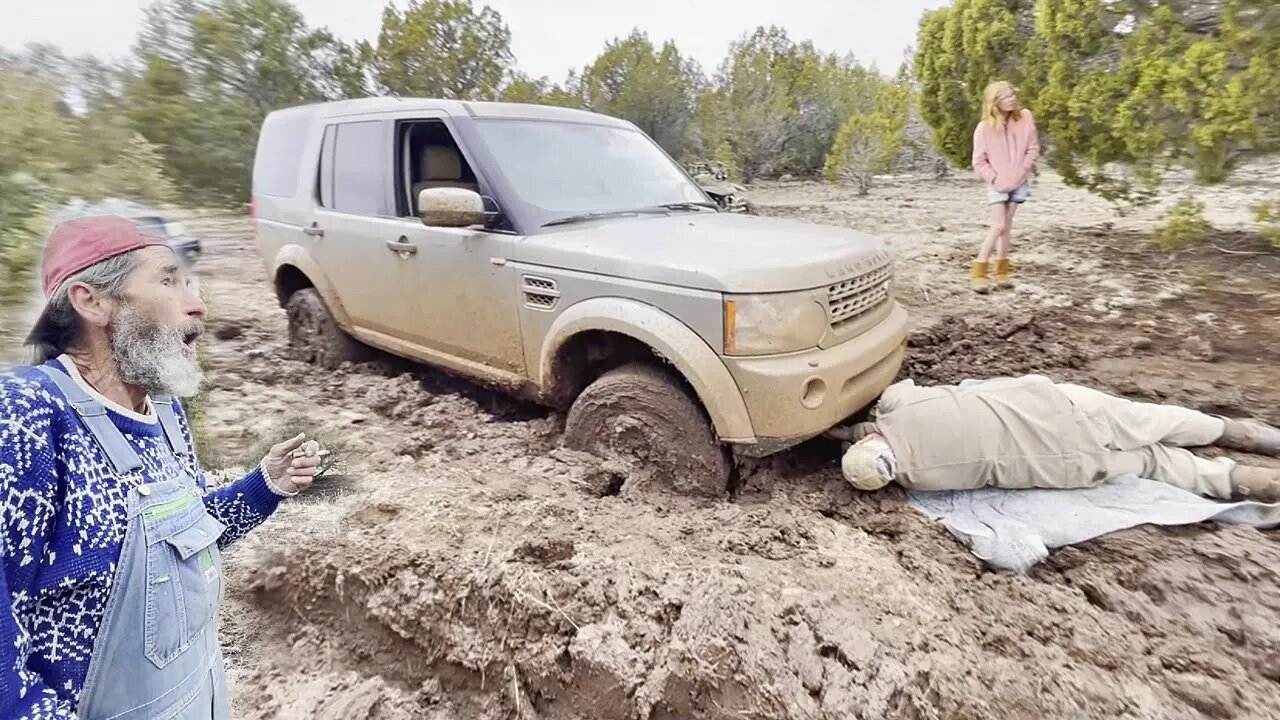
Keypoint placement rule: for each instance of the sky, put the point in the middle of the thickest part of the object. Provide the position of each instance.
(548, 37)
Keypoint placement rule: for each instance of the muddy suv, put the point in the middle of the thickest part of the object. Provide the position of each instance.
(562, 256)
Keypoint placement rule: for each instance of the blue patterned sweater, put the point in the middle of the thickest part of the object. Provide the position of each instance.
(62, 524)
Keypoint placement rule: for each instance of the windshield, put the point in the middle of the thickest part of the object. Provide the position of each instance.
(563, 169)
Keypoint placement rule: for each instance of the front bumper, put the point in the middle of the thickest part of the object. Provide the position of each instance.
(791, 398)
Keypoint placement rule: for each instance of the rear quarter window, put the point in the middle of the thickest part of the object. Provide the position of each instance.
(279, 156)
(359, 173)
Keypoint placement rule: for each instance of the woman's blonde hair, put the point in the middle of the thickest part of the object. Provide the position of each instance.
(990, 112)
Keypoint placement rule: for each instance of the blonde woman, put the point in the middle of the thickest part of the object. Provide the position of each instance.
(1005, 148)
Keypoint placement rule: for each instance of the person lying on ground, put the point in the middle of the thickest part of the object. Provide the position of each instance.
(1032, 432)
(110, 565)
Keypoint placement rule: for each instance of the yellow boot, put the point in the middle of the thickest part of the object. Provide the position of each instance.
(1002, 273)
(978, 278)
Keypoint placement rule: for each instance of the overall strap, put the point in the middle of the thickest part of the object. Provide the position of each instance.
(169, 421)
(94, 416)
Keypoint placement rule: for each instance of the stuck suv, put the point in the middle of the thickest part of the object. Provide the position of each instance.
(561, 256)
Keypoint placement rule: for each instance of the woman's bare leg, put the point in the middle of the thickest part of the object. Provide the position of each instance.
(1004, 242)
(978, 280)
(999, 219)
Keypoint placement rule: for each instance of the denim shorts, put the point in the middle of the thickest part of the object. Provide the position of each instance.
(1018, 196)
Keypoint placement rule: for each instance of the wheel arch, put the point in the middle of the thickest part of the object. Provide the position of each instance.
(295, 269)
(620, 329)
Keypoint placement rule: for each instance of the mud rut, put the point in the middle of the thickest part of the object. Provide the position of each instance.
(470, 567)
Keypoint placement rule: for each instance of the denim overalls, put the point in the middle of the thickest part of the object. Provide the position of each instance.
(157, 654)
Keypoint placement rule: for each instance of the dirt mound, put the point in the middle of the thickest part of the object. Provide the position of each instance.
(518, 593)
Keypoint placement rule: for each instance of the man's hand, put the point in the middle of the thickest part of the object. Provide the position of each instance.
(290, 466)
(851, 433)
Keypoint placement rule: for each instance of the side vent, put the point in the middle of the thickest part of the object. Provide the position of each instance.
(539, 293)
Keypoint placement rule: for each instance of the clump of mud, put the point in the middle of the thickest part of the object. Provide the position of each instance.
(959, 347)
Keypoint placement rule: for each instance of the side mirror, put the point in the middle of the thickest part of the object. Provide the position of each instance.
(450, 207)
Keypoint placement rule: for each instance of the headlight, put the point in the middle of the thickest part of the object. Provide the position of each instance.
(774, 323)
(174, 229)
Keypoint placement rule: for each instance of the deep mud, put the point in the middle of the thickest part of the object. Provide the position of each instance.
(471, 567)
(983, 347)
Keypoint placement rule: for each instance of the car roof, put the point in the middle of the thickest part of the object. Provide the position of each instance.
(472, 108)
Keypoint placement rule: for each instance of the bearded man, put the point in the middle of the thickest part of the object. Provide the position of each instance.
(110, 565)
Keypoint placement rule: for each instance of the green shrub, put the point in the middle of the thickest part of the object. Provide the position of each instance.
(1183, 225)
(1267, 215)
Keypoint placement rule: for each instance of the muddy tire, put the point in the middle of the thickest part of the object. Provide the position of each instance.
(314, 336)
(641, 415)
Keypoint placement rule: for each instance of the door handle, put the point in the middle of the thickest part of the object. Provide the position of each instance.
(402, 246)
(314, 230)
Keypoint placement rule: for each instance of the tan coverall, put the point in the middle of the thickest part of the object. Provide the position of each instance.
(1031, 432)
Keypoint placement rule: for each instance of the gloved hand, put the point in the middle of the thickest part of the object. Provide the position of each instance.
(290, 466)
(851, 433)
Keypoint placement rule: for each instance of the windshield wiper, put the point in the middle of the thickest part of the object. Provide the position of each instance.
(634, 211)
(690, 205)
(587, 216)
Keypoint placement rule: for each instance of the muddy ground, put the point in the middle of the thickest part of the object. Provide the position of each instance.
(465, 566)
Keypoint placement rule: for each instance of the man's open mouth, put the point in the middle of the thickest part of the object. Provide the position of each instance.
(191, 338)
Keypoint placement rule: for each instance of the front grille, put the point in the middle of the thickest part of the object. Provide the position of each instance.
(850, 299)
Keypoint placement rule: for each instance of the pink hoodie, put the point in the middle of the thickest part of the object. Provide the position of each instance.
(1004, 156)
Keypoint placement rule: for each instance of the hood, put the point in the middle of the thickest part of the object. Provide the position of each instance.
(724, 252)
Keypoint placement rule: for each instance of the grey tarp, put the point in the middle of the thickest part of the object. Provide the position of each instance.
(1015, 529)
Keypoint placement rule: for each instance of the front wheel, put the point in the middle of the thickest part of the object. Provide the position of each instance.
(639, 413)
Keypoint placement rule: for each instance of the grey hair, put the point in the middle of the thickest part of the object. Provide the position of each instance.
(60, 328)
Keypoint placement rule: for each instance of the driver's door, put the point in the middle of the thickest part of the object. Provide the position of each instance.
(462, 294)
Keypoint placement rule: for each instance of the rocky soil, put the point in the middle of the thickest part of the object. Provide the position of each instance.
(466, 565)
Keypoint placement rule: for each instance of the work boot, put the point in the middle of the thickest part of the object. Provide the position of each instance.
(978, 278)
(1002, 273)
(1256, 483)
(1250, 437)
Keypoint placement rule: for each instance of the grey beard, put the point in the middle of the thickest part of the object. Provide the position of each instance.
(150, 356)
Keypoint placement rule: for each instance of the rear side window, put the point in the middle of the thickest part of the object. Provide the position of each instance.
(279, 156)
(358, 168)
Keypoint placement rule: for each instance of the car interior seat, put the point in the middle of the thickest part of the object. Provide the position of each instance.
(440, 166)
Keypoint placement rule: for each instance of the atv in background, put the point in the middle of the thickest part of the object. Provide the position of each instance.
(713, 178)
(151, 221)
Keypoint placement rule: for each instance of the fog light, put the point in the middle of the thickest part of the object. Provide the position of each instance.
(815, 393)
